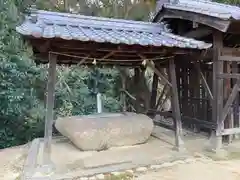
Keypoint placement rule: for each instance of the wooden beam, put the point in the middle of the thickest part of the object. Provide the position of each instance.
(230, 100)
(167, 95)
(226, 54)
(161, 96)
(205, 84)
(99, 54)
(123, 95)
(44, 47)
(175, 107)
(154, 91)
(90, 63)
(165, 114)
(75, 59)
(132, 97)
(85, 57)
(164, 125)
(108, 55)
(236, 118)
(228, 122)
(49, 109)
(129, 95)
(229, 58)
(216, 23)
(200, 122)
(151, 66)
(185, 90)
(217, 87)
(230, 131)
(94, 46)
(230, 52)
(89, 47)
(137, 79)
(229, 76)
(198, 33)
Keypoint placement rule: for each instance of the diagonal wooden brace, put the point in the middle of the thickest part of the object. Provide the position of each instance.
(230, 100)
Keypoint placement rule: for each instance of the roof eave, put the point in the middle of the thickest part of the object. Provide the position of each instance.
(221, 24)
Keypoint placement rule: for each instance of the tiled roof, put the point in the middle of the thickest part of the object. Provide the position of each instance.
(44, 24)
(206, 7)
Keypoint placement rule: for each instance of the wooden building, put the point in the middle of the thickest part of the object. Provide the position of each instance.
(70, 39)
(208, 84)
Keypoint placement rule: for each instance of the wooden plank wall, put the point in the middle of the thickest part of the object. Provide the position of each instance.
(194, 79)
(194, 101)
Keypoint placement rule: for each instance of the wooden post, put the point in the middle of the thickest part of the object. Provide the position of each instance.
(161, 96)
(137, 78)
(198, 108)
(204, 82)
(185, 89)
(66, 5)
(99, 102)
(154, 92)
(228, 123)
(179, 79)
(236, 118)
(217, 88)
(49, 109)
(175, 107)
(123, 95)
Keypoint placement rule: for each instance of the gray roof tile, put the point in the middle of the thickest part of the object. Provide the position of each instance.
(44, 24)
(206, 7)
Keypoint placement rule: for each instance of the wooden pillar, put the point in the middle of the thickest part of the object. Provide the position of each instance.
(185, 89)
(123, 95)
(217, 88)
(99, 102)
(175, 106)
(66, 5)
(137, 78)
(198, 102)
(178, 78)
(228, 123)
(154, 92)
(210, 82)
(49, 109)
(236, 119)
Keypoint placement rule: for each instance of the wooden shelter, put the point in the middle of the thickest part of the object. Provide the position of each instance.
(209, 98)
(61, 38)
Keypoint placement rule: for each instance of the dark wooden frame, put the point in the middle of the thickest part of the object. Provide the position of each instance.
(216, 23)
(57, 51)
(72, 52)
(218, 71)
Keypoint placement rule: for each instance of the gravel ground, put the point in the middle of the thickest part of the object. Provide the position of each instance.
(214, 170)
(12, 162)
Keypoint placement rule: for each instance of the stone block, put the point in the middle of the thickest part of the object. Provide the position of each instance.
(102, 131)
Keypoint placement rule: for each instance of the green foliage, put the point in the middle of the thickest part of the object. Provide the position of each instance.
(234, 2)
(23, 84)
(20, 109)
(76, 95)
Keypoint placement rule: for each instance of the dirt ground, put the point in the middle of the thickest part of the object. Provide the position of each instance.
(12, 161)
(215, 170)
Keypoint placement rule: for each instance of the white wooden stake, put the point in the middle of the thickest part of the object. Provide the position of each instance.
(99, 103)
